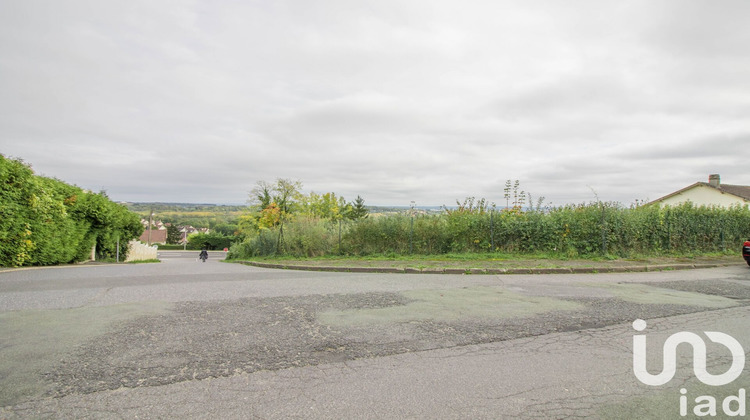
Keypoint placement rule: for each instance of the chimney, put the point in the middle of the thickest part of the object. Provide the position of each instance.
(714, 180)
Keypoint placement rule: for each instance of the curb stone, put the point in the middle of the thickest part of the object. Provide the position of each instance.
(485, 271)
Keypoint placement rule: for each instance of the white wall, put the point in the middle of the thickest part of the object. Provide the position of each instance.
(702, 195)
(138, 251)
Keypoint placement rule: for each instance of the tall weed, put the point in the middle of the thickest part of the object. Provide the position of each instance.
(569, 231)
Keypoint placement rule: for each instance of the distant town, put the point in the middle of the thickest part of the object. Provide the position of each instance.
(159, 232)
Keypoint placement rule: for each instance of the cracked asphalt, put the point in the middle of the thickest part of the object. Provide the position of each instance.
(184, 339)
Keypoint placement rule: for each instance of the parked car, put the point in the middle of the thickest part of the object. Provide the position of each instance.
(746, 251)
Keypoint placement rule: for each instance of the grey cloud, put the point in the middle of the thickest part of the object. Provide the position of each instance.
(698, 28)
(395, 101)
(721, 146)
(579, 95)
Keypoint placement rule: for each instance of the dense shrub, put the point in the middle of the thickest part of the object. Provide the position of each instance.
(264, 244)
(310, 237)
(211, 241)
(304, 237)
(45, 221)
(387, 234)
(567, 231)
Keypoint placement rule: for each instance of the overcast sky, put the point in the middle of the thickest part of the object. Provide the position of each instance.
(393, 100)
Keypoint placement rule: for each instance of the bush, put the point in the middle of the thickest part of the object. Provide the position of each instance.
(264, 244)
(306, 236)
(310, 237)
(387, 234)
(209, 241)
(568, 231)
(44, 221)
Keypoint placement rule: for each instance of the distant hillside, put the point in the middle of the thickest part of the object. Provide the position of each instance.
(206, 209)
(145, 208)
(384, 210)
(225, 218)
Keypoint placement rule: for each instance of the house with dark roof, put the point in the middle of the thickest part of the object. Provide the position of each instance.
(711, 193)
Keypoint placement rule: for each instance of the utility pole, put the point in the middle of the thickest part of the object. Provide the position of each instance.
(150, 219)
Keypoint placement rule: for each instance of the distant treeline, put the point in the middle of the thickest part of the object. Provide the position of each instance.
(44, 221)
(145, 208)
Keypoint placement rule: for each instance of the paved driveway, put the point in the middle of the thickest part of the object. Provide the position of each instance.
(185, 339)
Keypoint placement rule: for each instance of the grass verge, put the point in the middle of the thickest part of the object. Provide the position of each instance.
(153, 260)
(499, 260)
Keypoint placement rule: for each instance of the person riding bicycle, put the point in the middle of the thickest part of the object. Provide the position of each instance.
(203, 255)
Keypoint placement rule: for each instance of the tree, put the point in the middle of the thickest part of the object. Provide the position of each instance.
(357, 209)
(225, 228)
(247, 225)
(326, 206)
(261, 195)
(287, 191)
(270, 216)
(173, 234)
(284, 193)
(271, 199)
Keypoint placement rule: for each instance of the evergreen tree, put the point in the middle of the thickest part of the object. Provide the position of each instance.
(357, 209)
(173, 234)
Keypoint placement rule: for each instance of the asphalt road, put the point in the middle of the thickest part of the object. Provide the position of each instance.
(186, 339)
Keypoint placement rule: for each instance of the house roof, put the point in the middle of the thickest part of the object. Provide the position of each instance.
(741, 191)
(157, 236)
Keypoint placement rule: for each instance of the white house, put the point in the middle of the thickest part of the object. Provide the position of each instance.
(711, 193)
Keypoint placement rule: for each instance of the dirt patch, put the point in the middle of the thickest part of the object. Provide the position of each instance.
(450, 305)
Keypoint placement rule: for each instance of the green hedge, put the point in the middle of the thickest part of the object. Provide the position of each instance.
(44, 221)
(568, 231)
(210, 241)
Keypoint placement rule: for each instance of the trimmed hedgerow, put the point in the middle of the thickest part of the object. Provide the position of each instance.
(44, 221)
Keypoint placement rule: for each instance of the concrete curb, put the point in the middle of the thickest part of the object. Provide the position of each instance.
(47, 267)
(485, 271)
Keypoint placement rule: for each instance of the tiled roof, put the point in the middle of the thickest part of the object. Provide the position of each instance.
(157, 236)
(738, 190)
